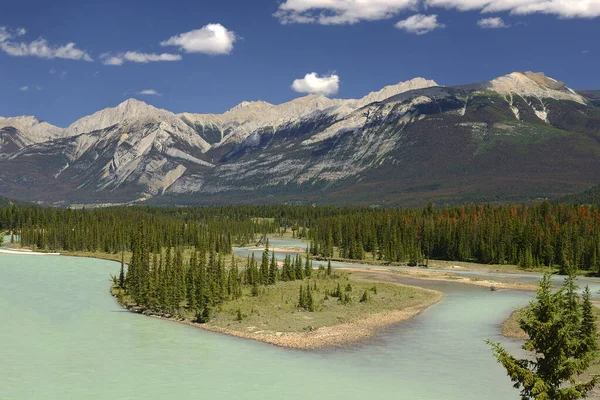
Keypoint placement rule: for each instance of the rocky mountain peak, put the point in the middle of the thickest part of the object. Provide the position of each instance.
(132, 104)
(541, 79)
(129, 109)
(251, 104)
(533, 84)
(392, 90)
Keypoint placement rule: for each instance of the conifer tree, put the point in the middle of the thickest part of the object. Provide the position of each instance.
(122, 272)
(563, 339)
(264, 265)
(307, 266)
(273, 270)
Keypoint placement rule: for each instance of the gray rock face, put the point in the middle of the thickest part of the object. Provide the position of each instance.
(402, 141)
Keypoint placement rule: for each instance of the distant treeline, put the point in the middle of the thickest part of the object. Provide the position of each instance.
(528, 235)
(541, 234)
(110, 230)
(589, 196)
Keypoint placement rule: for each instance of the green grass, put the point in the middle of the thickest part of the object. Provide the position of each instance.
(276, 307)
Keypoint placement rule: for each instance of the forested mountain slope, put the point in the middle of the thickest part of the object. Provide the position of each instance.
(589, 196)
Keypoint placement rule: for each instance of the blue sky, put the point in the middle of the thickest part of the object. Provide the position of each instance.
(260, 47)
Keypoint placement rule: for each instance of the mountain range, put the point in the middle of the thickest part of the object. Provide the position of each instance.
(517, 137)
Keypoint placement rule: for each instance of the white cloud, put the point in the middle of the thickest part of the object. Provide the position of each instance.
(210, 39)
(328, 12)
(492, 23)
(37, 48)
(313, 83)
(420, 24)
(148, 92)
(561, 8)
(584, 51)
(27, 88)
(134, 56)
(6, 34)
(352, 11)
(150, 57)
(108, 59)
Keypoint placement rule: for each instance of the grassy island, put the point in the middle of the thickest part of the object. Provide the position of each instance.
(287, 303)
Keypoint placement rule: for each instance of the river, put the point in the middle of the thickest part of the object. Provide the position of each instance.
(64, 337)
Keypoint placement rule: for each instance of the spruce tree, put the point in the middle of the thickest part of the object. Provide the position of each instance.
(122, 272)
(273, 270)
(563, 339)
(307, 267)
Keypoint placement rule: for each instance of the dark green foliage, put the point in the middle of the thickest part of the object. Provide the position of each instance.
(337, 292)
(305, 299)
(589, 196)
(308, 266)
(365, 297)
(536, 235)
(526, 235)
(563, 340)
(346, 298)
(204, 315)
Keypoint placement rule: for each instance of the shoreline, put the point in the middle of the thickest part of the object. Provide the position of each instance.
(510, 327)
(437, 276)
(446, 265)
(27, 252)
(276, 249)
(328, 336)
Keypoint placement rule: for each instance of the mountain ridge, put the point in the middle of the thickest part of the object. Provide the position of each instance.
(256, 150)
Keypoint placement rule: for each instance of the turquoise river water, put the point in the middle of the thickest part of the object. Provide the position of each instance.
(63, 336)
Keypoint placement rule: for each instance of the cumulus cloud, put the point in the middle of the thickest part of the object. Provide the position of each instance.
(352, 11)
(211, 39)
(420, 24)
(134, 56)
(148, 92)
(492, 23)
(37, 48)
(24, 88)
(313, 83)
